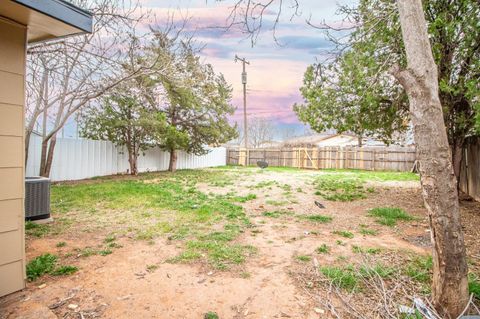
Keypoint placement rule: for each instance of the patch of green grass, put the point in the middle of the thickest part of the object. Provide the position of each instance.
(276, 213)
(220, 255)
(64, 270)
(47, 264)
(343, 233)
(114, 245)
(389, 216)
(348, 185)
(360, 250)
(152, 268)
(87, 252)
(105, 252)
(36, 230)
(283, 169)
(152, 205)
(336, 188)
(41, 265)
(343, 277)
(318, 218)
(377, 270)
(303, 258)
(340, 242)
(211, 315)
(263, 184)
(243, 199)
(323, 249)
(419, 268)
(381, 176)
(351, 278)
(221, 183)
(61, 244)
(474, 285)
(367, 231)
(110, 239)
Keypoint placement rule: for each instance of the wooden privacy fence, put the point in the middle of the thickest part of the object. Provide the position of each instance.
(368, 158)
(470, 169)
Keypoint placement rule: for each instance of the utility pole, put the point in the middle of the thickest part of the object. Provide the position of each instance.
(244, 82)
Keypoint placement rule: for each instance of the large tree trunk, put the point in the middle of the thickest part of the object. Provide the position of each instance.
(439, 185)
(172, 166)
(133, 160)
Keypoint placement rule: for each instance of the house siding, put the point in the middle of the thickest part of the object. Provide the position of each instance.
(12, 99)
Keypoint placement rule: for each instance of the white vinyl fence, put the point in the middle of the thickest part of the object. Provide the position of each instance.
(81, 158)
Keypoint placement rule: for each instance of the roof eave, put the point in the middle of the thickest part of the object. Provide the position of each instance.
(62, 11)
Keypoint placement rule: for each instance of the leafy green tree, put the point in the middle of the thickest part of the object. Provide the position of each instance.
(127, 120)
(194, 100)
(344, 96)
(376, 44)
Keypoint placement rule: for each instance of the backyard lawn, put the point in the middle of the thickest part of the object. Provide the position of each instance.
(233, 242)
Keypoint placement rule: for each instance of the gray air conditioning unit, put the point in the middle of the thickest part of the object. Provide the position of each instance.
(37, 198)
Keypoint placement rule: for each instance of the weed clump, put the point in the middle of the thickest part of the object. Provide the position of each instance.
(319, 218)
(323, 249)
(304, 258)
(276, 213)
(389, 216)
(36, 230)
(343, 233)
(47, 264)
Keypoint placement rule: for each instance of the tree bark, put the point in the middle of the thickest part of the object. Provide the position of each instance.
(132, 160)
(49, 161)
(360, 140)
(43, 157)
(172, 166)
(439, 185)
(28, 134)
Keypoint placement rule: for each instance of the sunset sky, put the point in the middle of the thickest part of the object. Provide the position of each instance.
(276, 70)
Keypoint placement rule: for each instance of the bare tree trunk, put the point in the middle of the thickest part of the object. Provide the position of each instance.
(49, 161)
(360, 140)
(132, 160)
(43, 157)
(439, 185)
(28, 134)
(172, 166)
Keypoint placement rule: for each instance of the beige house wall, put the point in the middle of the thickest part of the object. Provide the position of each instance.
(12, 99)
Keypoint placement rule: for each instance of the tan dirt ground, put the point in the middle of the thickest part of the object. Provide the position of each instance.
(119, 285)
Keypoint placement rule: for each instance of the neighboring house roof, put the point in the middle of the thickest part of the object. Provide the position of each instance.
(270, 144)
(47, 19)
(330, 140)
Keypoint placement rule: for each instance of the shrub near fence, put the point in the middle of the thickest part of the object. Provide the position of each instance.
(367, 158)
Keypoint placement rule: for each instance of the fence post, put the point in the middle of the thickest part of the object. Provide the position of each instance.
(373, 158)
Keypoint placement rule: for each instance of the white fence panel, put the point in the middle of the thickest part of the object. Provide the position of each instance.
(81, 158)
